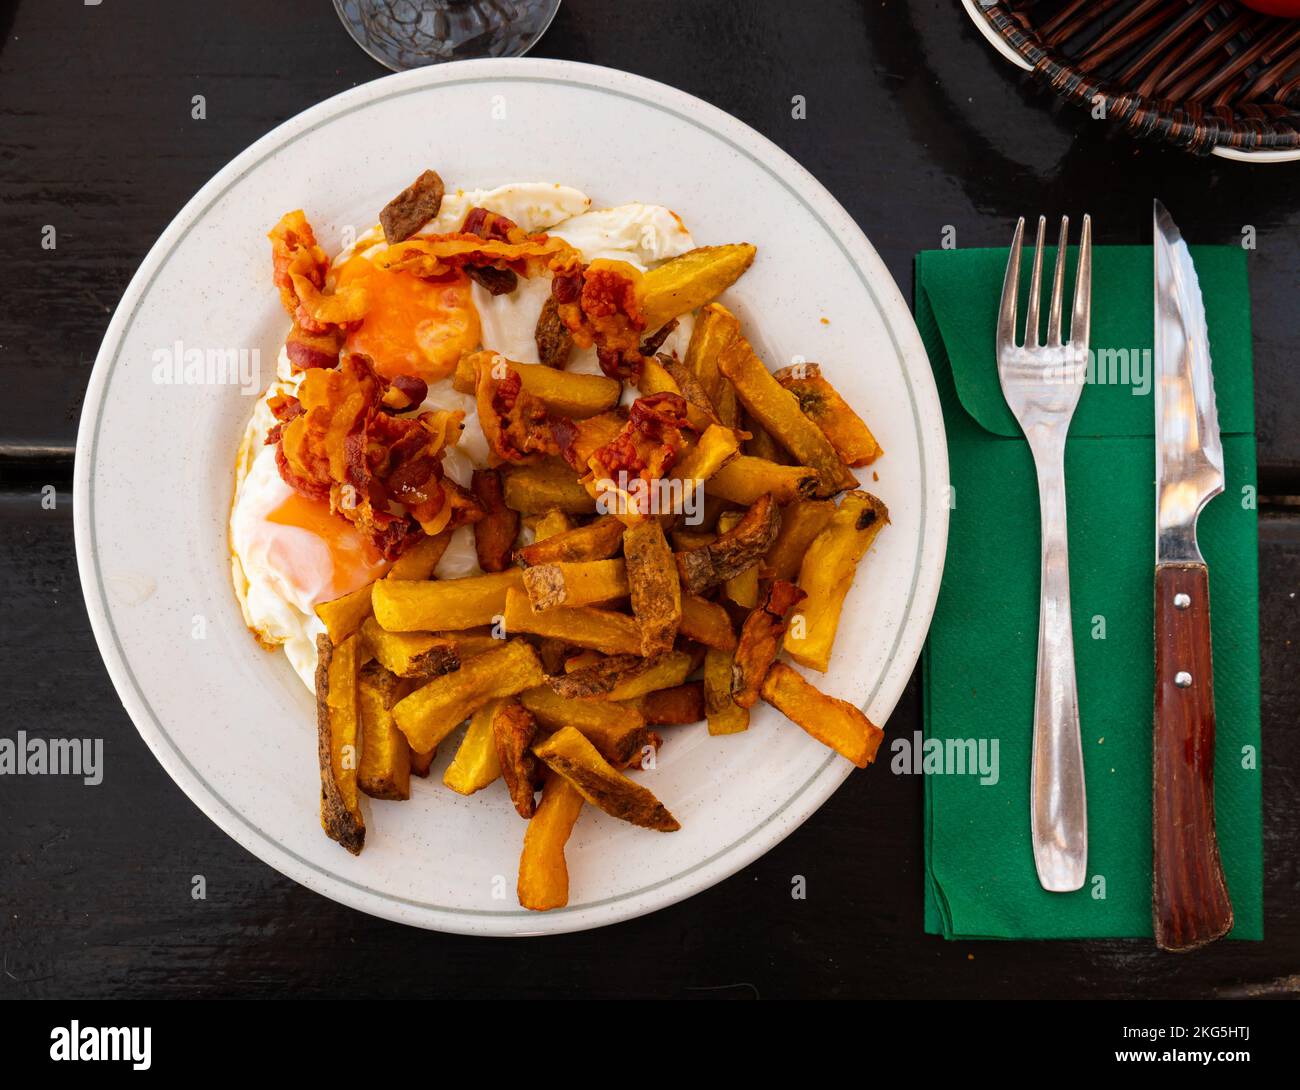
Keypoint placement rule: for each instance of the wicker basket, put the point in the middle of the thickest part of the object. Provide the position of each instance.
(1199, 74)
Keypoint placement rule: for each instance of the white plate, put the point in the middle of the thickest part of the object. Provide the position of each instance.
(232, 724)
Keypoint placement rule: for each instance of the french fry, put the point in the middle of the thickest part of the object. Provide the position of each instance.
(760, 638)
(717, 446)
(513, 730)
(548, 525)
(618, 731)
(745, 478)
(760, 444)
(657, 378)
(432, 712)
(725, 716)
(565, 393)
(677, 706)
(597, 540)
(343, 616)
(543, 873)
(581, 626)
(734, 551)
(743, 588)
(475, 764)
(654, 584)
(835, 723)
(422, 762)
(468, 644)
(338, 741)
(409, 654)
(777, 410)
(683, 283)
(801, 522)
(414, 605)
(576, 584)
(826, 575)
(384, 771)
(715, 328)
(572, 756)
(707, 623)
(495, 532)
(822, 404)
(419, 561)
(624, 677)
(546, 485)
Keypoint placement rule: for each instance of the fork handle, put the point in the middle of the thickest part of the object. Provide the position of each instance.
(1189, 901)
(1058, 804)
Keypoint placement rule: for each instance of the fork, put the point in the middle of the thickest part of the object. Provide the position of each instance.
(1042, 383)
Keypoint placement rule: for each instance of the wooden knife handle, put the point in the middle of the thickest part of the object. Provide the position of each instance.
(1190, 904)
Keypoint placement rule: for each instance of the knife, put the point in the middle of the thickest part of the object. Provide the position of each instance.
(1190, 905)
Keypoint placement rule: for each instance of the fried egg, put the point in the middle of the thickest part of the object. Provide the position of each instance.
(289, 553)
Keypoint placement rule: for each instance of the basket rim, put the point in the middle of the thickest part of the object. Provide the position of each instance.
(1223, 131)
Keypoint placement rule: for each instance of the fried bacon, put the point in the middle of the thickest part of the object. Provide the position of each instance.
(433, 256)
(598, 305)
(381, 472)
(649, 444)
(492, 225)
(515, 423)
(299, 271)
(307, 350)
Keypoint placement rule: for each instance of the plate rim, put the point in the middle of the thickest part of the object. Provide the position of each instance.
(809, 796)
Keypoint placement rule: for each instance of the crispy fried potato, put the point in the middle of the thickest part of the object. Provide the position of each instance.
(422, 762)
(624, 677)
(338, 741)
(654, 584)
(543, 873)
(717, 446)
(736, 550)
(475, 764)
(420, 559)
(581, 626)
(618, 731)
(777, 409)
(578, 584)
(707, 623)
(822, 404)
(725, 716)
(468, 644)
(801, 522)
(495, 532)
(431, 713)
(760, 638)
(415, 605)
(835, 723)
(699, 409)
(826, 575)
(760, 443)
(745, 478)
(384, 771)
(343, 616)
(409, 654)
(715, 328)
(513, 730)
(743, 588)
(683, 283)
(599, 539)
(673, 707)
(565, 393)
(549, 524)
(657, 378)
(570, 754)
(546, 485)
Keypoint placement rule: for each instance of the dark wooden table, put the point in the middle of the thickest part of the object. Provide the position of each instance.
(914, 125)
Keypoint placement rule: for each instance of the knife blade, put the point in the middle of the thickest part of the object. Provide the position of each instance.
(1190, 903)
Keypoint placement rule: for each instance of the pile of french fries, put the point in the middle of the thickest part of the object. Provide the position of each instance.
(590, 632)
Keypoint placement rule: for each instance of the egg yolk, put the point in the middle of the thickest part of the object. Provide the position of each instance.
(412, 326)
(354, 562)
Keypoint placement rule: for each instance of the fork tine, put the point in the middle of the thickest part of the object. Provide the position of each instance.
(1035, 288)
(1058, 288)
(1081, 322)
(1010, 290)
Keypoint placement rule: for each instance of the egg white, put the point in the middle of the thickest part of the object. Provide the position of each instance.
(643, 235)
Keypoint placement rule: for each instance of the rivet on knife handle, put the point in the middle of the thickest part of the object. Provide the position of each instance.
(1190, 904)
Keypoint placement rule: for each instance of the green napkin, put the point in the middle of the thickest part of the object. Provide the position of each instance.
(981, 655)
